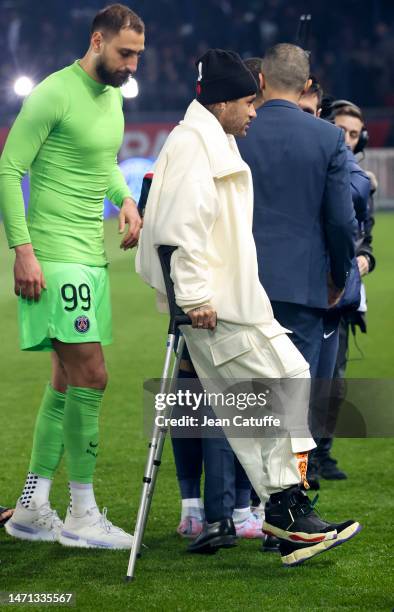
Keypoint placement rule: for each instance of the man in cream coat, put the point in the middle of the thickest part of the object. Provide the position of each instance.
(201, 201)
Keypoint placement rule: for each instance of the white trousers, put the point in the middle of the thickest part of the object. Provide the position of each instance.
(235, 351)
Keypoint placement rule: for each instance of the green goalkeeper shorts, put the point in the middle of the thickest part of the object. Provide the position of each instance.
(75, 307)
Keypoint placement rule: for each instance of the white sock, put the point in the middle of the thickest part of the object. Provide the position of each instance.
(241, 514)
(81, 497)
(193, 507)
(36, 491)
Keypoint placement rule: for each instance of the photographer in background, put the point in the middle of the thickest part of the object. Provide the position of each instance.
(348, 116)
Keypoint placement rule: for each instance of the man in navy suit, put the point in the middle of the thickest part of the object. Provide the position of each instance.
(303, 216)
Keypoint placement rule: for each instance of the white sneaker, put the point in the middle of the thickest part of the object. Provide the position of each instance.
(93, 530)
(40, 524)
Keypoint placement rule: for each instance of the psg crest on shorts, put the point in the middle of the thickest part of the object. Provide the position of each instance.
(82, 324)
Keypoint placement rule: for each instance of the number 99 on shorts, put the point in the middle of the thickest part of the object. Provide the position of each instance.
(75, 307)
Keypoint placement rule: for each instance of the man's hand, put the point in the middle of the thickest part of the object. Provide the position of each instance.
(129, 215)
(363, 265)
(28, 276)
(203, 317)
(334, 294)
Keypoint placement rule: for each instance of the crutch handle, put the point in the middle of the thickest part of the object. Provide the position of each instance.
(182, 320)
(177, 316)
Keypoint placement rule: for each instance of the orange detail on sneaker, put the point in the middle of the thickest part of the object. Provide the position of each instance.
(302, 466)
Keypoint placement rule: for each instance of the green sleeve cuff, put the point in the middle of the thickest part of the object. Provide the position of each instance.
(118, 197)
(117, 189)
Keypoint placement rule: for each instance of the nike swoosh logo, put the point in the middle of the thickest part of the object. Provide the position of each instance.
(325, 336)
(93, 445)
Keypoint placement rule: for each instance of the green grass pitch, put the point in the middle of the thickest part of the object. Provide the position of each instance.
(355, 576)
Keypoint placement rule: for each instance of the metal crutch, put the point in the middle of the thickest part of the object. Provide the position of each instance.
(177, 317)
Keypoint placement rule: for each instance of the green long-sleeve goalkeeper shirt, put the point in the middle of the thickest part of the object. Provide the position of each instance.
(67, 135)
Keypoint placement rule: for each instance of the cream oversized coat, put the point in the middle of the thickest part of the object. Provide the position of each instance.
(201, 200)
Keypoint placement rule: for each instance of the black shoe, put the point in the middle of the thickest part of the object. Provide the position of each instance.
(289, 515)
(294, 554)
(217, 535)
(329, 470)
(270, 544)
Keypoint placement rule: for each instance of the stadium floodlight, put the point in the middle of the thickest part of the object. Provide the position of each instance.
(23, 86)
(130, 88)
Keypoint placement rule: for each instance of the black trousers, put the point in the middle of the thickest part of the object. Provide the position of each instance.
(338, 392)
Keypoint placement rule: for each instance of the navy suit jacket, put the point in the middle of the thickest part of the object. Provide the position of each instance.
(303, 214)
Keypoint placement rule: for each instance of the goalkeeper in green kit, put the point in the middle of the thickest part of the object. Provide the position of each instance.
(68, 134)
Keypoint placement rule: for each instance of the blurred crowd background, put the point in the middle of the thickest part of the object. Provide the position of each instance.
(352, 43)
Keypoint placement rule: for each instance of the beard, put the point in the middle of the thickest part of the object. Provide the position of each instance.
(235, 127)
(115, 78)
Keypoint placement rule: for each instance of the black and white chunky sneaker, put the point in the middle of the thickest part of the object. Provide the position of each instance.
(290, 515)
(295, 553)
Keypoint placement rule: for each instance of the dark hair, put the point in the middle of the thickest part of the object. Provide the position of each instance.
(286, 67)
(332, 108)
(254, 65)
(350, 110)
(315, 90)
(114, 18)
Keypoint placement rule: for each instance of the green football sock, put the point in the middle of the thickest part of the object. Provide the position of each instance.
(48, 434)
(81, 414)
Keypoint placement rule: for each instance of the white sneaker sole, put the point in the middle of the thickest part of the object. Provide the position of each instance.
(24, 532)
(299, 556)
(67, 538)
(298, 536)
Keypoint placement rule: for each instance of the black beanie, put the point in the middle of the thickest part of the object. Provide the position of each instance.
(222, 76)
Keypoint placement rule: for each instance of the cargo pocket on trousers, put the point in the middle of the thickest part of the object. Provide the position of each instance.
(286, 355)
(229, 348)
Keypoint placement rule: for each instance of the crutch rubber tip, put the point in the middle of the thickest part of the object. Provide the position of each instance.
(128, 578)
